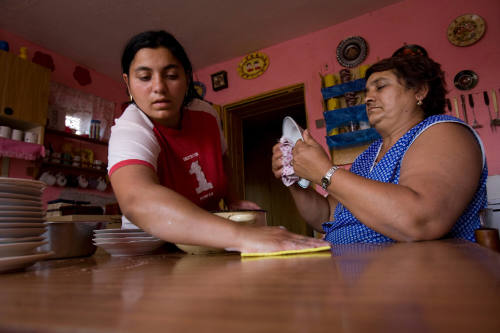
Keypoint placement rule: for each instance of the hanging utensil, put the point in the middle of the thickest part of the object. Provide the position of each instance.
(487, 103)
(462, 98)
(475, 124)
(455, 103)
(448, 104)
(496, 121)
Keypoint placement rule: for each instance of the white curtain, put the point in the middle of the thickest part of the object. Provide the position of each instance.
(65, 101)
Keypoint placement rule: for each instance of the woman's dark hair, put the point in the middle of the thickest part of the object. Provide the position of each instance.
(153, 40)
(416, 71)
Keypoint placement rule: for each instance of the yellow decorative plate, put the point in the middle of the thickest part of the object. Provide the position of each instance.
(253, 65)
(466, 29)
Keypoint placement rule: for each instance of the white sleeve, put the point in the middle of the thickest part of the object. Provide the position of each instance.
(132, 138)
(199, 105)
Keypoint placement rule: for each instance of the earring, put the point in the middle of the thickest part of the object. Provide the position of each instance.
(419, 102)
(131, 98)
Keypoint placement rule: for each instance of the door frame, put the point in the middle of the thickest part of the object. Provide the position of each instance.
(234, 114)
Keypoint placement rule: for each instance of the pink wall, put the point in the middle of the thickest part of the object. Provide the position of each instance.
(422, 22)
(101, 86)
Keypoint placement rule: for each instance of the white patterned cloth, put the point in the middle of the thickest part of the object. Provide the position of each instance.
(288, 176)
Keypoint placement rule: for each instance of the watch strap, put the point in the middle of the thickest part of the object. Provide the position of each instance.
(325, 181)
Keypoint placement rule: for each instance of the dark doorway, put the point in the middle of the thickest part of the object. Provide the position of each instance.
(259, 122)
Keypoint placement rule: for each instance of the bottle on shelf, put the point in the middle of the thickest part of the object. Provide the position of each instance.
(23, 52)
(95, 129)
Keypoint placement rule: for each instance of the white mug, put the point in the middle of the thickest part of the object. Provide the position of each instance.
(17, 135)
(83, 181)
(61, 179)
(101, 184)
(48, 178)
(5, 132)
(31, 137)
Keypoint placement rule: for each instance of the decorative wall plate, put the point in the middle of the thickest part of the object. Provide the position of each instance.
(200, 88)
(253, 65)
(466, 30)
(352, 51)
(411, 49)
(465, 80)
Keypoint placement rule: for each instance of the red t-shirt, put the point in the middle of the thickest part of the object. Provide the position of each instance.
(188, 161)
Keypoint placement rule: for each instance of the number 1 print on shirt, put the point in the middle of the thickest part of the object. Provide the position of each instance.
(203, 185)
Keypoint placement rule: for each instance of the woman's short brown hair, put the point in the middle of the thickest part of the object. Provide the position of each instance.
(417, 71)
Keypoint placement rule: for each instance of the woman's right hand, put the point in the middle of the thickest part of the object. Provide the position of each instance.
(273, 239)
(277, 164)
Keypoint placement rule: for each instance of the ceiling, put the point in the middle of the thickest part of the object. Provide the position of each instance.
(94, 32)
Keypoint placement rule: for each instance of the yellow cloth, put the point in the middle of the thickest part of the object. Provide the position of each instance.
(290, 257)
(286, 252)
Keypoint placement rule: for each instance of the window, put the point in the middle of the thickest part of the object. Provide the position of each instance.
(73, 123)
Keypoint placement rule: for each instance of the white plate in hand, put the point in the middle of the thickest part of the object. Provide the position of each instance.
(293, 132)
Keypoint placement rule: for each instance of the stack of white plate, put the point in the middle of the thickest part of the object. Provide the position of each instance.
(126, 242)
(22, 223)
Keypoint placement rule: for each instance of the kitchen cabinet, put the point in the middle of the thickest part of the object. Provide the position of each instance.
(24, 90)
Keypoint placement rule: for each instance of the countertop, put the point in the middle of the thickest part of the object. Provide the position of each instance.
(438, 286)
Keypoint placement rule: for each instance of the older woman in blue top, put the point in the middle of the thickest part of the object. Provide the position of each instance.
(424, 179)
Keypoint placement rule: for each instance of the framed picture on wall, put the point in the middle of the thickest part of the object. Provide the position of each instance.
(219, 80)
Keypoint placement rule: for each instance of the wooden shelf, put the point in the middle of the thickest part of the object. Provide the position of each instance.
(74, 136)
(59, 166)
(84, 218)
(20, 149)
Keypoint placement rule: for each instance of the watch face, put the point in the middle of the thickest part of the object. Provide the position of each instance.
(325, 183)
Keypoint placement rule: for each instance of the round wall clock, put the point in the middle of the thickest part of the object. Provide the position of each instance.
(253, 65)
(352, 51)
(465, 80)
(466, 30)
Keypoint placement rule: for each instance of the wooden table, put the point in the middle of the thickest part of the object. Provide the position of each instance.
(440, 286)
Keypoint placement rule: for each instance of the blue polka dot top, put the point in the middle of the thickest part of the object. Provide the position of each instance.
(346, 229)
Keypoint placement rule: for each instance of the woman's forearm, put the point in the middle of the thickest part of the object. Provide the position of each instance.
(170, 216)
(167, 214)
(313, 207)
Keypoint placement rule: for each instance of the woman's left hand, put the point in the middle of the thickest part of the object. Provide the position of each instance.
(310, 161)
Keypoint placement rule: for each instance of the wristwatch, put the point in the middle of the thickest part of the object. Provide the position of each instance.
(325, 181)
